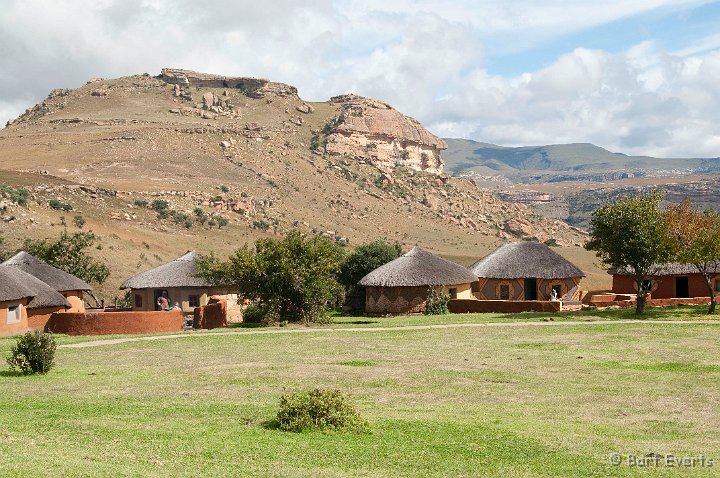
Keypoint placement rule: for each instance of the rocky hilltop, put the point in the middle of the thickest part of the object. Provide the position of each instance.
(376, 132)
(159, 165)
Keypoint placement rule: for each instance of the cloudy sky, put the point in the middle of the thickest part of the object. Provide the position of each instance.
(634, 76)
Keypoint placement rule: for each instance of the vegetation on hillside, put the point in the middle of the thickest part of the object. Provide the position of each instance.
(69, 253)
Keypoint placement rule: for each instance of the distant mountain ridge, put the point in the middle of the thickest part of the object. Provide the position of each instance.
(485, 159)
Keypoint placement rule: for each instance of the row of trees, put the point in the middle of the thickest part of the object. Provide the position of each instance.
(298, 278)
(635, 233)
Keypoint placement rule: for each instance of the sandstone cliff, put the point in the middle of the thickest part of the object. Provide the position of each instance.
(374, 131)
(252, 87)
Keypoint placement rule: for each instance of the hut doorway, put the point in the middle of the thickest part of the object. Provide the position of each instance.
(530, 289)
(682, 287)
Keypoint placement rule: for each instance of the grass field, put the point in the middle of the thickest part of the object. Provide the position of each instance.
(486, 401)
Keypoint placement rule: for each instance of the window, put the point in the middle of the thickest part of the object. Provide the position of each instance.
(646, 285)
(504, 292)
(452, 292)
(14, 314)
(194, 301)
(717, 285)
(138, 300)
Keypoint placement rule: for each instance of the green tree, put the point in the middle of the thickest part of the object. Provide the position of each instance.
(694, 237)
(68, 253)
(359, 263)
(630, 233)
(293, 279)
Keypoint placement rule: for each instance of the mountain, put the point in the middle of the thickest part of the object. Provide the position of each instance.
(156, 166)
(562, 162)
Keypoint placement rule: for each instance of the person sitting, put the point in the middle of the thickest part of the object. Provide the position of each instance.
(163, 302)
(554, 296)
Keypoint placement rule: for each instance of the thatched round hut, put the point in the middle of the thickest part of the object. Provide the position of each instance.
(401, 286)
(178, 280)
(26, 302)
(71, 287)
(526, 270)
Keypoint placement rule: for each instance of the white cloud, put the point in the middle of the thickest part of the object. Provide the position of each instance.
(423, 56)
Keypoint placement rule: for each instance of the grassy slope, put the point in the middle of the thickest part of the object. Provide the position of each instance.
(482, 157)
(525, 401)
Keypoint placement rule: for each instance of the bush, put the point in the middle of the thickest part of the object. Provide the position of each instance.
(34, 352)
(319, 409)
(57, 204)
(79, 221)
(159, 205)
(254, 314)
(140, 203)
(437, 301)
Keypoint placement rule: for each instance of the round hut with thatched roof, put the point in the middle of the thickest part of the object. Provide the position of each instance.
(526, 270)
(71, 287)
(401, 286)
(26, 302)
(176, 280)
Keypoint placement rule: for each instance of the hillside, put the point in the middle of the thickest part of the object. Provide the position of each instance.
(562, 162)
(235, 159)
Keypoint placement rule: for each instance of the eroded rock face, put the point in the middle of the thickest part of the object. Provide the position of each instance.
(374, 131)
(252, 87)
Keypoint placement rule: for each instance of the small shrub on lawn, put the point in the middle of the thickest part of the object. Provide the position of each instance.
(318, 409)
(437, 302)
(34, 352)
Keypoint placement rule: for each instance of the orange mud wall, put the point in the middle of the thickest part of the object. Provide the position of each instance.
(464, 306)
(105, 323)
(38, 318)
(18, 327)
(664, 287)
(75, 297)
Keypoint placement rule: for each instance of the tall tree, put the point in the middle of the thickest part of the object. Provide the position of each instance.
(293, 278)
(630, 233)
(695, 238)
(69, 253)
(360, 262)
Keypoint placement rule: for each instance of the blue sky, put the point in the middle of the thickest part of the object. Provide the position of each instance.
(634, 76)
(670, 29)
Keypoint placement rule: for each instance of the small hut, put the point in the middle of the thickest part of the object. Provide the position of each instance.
(672, 280)
(71, 287)
(26, 302)
(526, 270)
(178, 280)
(401, 286)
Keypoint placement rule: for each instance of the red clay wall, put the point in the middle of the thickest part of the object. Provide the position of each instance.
(654, 302)
(463, 306)
(105, 323)
(211, 316)
(665, 286)
(38, 318)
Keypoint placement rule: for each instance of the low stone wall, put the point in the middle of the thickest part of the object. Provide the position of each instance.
(464, 306)
(106, 323)
(211, 316)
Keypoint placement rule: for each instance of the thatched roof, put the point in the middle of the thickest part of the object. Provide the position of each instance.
(12, 285)
(418, 268)
(57, 279)
(178, 273)
(525, 259)
(30, 286)
(669, 269)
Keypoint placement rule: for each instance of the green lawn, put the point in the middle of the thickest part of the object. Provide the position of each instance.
(490, 401)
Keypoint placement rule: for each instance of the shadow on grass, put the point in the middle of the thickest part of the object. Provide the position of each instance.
(688, 312)
(356, 322)
(12, 373)
(245, 325)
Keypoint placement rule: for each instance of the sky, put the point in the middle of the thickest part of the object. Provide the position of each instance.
(632, 76)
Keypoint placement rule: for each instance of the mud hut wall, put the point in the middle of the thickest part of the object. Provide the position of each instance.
(664, 286)
(17, 327)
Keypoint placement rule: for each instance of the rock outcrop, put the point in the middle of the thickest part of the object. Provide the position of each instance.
(252, 87)
(374, 131)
